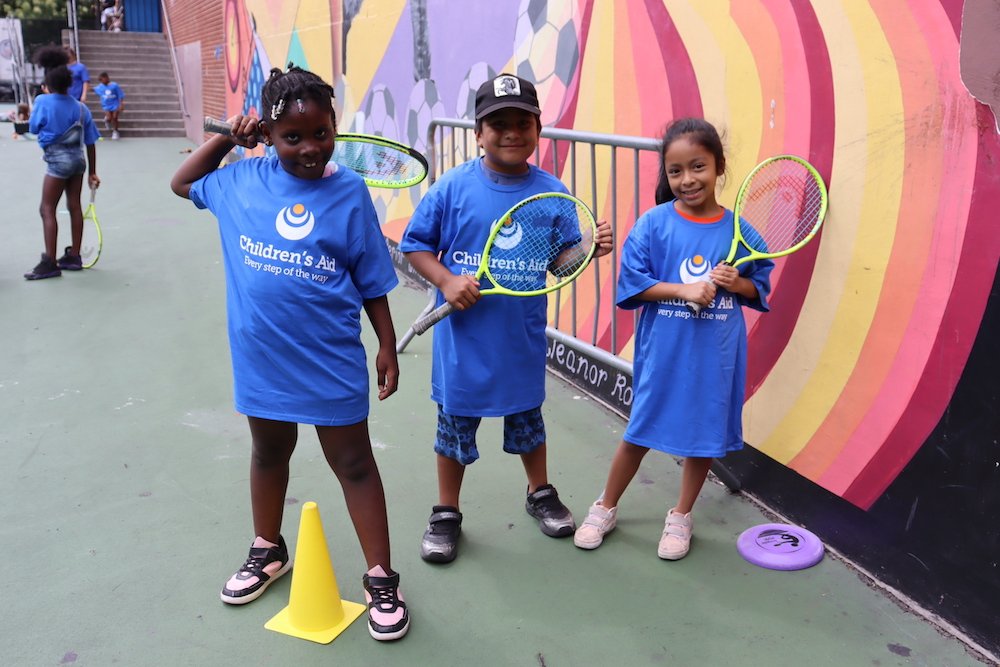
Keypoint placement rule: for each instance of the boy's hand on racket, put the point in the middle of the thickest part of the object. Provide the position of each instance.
(94, 181)
(460, 291)
(244, 130)
(725, 276)
(604, 240)
(701, 292)
(387, 372)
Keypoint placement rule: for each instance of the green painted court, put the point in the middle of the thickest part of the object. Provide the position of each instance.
(124, 493)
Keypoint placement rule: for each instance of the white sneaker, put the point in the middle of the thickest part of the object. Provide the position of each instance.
(599, 522)
(114, 136)
(676, 539)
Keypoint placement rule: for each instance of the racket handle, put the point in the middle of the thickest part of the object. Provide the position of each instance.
(427, 321)
(693, 307)
(216, 126)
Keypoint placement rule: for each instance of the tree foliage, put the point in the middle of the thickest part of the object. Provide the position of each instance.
(44, 9)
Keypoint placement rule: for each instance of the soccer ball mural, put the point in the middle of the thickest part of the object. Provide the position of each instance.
(425, 104)
(380, 113)
(547, 51)
(465, 106)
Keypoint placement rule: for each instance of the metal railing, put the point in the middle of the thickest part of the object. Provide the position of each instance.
(577, 158)
(173, 59)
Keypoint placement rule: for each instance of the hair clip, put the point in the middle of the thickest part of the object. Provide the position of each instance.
(277, 108)
(301, 107)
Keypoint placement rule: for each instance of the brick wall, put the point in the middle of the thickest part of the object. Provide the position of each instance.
(194, 21)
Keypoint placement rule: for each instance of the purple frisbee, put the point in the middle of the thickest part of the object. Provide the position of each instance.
(779, 546)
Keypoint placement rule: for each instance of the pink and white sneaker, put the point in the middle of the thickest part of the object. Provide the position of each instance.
(267, 561)
(388, 617)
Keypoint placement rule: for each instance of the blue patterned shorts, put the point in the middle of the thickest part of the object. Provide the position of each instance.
(523, 433)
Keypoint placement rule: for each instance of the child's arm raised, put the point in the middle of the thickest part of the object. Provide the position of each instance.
(207, 157)
(386, 362)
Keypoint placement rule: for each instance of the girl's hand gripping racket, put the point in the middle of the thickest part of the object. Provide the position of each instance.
(781, 204)
(90, 247)
(541, 244)
(383, 163)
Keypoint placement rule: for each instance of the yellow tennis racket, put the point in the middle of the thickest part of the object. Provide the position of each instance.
(90, 246)
(779, 208)
(538, 246)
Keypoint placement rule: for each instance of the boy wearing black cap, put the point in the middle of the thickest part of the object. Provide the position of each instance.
(489, 356)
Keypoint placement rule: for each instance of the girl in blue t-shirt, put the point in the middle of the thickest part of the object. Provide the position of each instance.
(303, 255)
(689, 371)
(65, 131)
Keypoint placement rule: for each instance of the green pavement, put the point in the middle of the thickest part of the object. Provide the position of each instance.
(124, 492)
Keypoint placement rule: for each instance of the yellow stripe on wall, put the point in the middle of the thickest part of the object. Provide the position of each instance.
(857, 240)
(728, 83)
(371, 31)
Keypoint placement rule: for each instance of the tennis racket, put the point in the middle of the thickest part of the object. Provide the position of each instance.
(383, 163)
(779, 208)
(90, 246)
(541, 244)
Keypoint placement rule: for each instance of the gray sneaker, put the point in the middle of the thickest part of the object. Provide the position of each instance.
(440, 543)
(553, 517)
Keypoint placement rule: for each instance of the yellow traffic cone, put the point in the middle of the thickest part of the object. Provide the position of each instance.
(315, 610)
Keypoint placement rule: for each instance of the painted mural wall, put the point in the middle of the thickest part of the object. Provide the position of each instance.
(872, 325)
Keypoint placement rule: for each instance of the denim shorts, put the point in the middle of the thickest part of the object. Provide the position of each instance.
(523, 433)
(64, 160)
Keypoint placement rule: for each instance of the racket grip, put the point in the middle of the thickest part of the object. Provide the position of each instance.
(427, 321)
(217, 126)
(693, 307)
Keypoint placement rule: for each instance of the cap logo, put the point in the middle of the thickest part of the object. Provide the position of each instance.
(506, 85)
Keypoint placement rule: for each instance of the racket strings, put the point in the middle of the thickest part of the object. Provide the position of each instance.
(783, 206)
(378, 162)
(541, 244)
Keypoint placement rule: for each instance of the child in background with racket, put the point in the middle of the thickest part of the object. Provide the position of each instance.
(689, 371)
(489, 357)
(64, 127)
(303, 254)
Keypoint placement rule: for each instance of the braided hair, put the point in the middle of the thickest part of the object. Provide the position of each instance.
(294, 84)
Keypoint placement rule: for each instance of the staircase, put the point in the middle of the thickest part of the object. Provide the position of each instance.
(140, 63)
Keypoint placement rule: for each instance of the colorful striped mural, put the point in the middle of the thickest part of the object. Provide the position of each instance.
(871, 325)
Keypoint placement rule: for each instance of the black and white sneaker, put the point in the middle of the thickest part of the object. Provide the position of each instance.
(440, 543)
(388, 617)
(553, 517)
(267, 561)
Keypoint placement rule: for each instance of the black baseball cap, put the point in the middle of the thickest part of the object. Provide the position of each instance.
(506, 91)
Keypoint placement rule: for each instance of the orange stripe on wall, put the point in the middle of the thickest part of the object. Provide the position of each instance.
(915, 225)
(948, 219)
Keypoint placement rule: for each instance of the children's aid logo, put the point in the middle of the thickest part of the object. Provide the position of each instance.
(694, 269)
(509, 235)
(294, 222)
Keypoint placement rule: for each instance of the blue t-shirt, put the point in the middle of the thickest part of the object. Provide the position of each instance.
(301, 257)
(489, 360)
(111, 95)
(80, 75)
(53, 114)
(689, 372)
